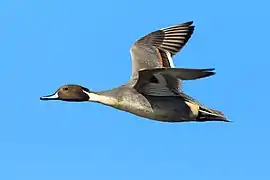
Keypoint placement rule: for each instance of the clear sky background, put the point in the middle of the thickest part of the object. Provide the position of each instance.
(44, 44)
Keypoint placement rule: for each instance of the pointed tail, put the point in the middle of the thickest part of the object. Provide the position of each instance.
(207, 114)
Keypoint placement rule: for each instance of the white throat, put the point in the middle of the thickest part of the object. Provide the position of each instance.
(101, 98)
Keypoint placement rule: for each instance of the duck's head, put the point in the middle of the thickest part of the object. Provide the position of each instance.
(70, 93)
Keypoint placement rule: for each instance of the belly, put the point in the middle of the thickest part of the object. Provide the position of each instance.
(169, 109)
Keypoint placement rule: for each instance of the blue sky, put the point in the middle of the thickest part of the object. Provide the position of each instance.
(45, 44)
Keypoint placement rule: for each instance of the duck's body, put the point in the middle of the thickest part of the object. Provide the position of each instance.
(154, 89)
(153, 107)
(177, 108)
(162, 108)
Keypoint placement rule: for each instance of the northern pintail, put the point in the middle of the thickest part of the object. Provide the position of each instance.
(154, 90)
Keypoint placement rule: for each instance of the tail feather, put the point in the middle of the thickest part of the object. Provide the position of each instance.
(207, 114)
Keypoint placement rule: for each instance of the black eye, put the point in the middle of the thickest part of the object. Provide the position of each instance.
(65, 88)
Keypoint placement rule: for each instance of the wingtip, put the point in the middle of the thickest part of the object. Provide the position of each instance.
(190, 25)
(209, 69)
(210, 72)
(189, 22)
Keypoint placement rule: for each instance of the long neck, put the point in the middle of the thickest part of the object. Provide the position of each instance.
(103, 97)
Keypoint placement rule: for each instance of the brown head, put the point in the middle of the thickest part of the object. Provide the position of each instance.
(70, 92)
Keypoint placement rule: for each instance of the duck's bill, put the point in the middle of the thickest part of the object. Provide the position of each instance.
(50, 97)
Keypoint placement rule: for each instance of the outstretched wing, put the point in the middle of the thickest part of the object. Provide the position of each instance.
(156, 49)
